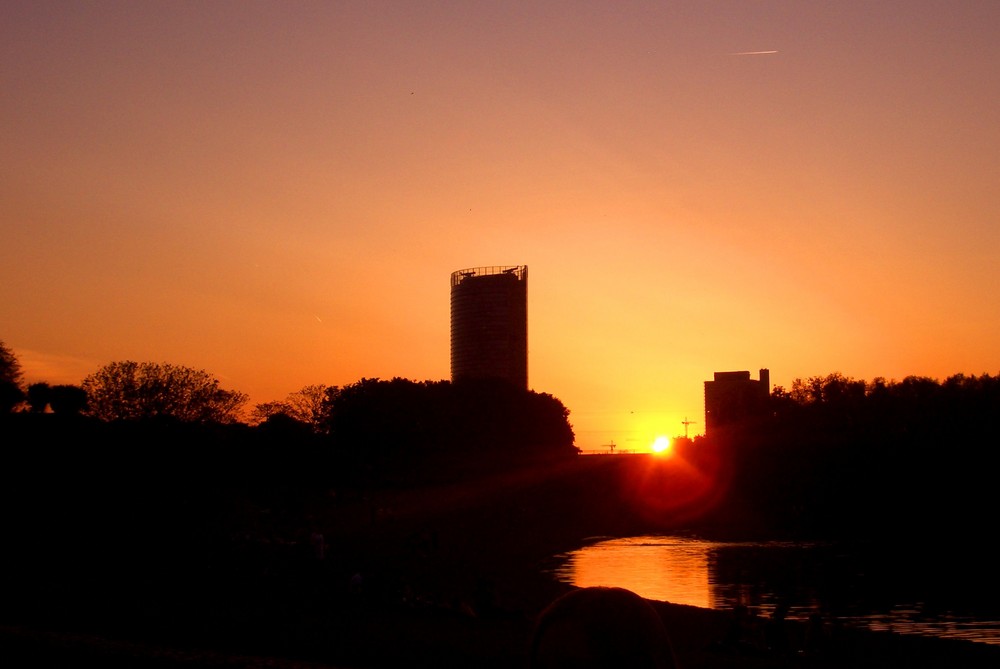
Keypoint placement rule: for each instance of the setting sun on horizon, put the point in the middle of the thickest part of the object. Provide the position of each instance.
(278, 193)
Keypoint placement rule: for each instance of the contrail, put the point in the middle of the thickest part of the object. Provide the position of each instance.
(752, 53)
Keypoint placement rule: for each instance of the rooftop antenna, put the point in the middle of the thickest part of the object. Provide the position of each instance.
(685, 423)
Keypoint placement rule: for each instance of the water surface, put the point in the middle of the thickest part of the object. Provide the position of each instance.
(840, 583)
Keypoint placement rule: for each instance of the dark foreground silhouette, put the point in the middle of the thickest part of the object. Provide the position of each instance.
(173, 548)
(449, 576)
(600, 627)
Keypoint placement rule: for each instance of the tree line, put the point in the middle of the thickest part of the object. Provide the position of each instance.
(834, 454)
(828, 452)
(372, 422)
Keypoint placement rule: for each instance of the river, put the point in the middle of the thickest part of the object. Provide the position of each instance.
(944, 593)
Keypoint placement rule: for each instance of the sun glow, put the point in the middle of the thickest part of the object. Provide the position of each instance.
(661, 445)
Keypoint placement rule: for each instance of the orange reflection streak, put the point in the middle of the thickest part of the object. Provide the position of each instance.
(662, 568)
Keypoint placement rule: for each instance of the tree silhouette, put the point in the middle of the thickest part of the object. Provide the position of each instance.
(835, 449)
(130, 390)
(10, 380)
(10, 396)
(10, 368)
(307, 405)
(38, 397)
(402, 423)
(67, 399)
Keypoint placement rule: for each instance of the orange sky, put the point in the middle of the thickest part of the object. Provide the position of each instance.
(278, 192)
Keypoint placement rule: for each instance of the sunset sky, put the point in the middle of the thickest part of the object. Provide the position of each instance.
(278, 192)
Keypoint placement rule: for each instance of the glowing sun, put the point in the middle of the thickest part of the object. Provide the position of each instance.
(661, 445)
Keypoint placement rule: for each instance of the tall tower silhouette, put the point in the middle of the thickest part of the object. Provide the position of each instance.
(489, 324)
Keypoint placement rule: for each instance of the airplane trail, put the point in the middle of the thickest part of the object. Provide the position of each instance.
(752, 53)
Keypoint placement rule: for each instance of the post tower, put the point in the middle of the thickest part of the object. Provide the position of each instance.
(489, 324)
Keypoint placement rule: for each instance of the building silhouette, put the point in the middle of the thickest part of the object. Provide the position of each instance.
(733, 398)
(489, 324)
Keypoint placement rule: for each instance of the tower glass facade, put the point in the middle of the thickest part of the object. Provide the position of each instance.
(489, 324)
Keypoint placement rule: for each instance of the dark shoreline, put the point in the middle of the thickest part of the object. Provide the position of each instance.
(452, 576)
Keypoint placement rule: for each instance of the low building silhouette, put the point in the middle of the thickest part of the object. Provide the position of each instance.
(732, 398)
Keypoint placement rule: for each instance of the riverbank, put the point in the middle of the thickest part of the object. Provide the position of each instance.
(446, 576)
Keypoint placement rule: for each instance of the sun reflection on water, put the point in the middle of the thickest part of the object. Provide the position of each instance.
(719, 575)
(664, 568)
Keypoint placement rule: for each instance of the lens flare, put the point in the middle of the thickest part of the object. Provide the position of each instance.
(670, 491)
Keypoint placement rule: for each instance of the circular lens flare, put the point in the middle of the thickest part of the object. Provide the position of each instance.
(688, 484)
